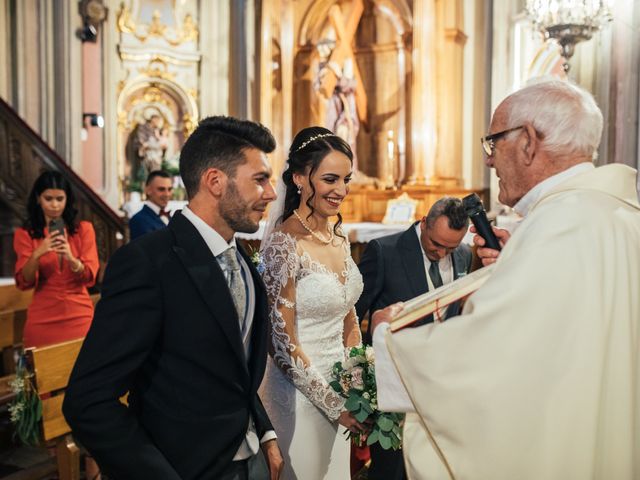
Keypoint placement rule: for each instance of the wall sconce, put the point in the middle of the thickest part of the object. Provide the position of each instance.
(95, 120)
(88, 33)
(93, 13)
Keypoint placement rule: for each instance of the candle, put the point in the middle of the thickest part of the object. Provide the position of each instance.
(390, 159)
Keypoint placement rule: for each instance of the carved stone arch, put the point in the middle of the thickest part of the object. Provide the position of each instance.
(137, 103)
(314, 19)
(398, 12)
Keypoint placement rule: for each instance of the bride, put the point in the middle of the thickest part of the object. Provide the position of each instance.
(313, 284)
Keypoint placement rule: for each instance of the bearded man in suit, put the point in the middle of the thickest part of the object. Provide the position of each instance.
(182, 327)
(404, 265)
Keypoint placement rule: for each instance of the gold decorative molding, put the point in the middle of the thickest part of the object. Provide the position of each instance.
(122, 120)
(380, 48)
(190, 124)
(193, 93)
(136, 57)
(157, 68)
(187, 32)
(120, 87)
(153, 94)
(456, 35)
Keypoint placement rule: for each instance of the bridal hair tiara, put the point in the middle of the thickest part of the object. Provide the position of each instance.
(313, 139)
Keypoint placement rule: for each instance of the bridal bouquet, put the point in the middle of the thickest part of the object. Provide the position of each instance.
(355, 380)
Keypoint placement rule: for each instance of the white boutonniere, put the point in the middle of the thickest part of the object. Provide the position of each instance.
(257, 260)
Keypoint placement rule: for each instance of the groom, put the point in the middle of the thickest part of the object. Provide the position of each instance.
(182, 328)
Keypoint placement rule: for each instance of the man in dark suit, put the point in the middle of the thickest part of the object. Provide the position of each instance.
(182, 327)
(399, 267)
(153, 215)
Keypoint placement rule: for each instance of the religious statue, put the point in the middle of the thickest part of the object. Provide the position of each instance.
(339, 83)
(148, 144)
(341, 116)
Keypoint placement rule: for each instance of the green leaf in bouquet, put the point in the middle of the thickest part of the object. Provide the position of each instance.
(353, 402)
(373, 437)
(361, 415)
(356, 351)
(366, 406)
(385, 441)
(336, 386)
(385, 423)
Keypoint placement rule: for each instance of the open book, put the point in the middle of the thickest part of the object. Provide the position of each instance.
(429, 302)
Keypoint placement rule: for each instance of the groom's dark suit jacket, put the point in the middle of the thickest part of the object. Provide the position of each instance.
(393, 271)
(167, 332)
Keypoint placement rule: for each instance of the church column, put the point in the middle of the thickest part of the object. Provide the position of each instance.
(476, 92)
(112, 73)
(423, 101)
(274, 20)
(215, 33)
(265, 57)
(26, 88)
(451, 40)
(242, 71)
(5, 52)
(288, 52)
(621, 95)
(67, 61)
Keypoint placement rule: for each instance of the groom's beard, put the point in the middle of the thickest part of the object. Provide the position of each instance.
(236, 211)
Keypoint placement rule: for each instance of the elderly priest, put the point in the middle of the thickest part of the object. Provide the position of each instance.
(539, 378)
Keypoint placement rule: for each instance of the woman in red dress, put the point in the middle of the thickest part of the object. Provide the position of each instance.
(60, 266)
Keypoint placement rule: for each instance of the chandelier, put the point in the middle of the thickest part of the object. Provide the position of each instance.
(568, 21)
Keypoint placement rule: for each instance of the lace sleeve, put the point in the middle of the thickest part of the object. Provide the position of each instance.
(282, 263)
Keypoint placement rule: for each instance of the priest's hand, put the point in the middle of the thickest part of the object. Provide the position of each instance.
(385, 315)
(489, 255)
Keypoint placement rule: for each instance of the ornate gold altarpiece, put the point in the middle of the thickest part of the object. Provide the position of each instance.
(406, 62)
(401, 62)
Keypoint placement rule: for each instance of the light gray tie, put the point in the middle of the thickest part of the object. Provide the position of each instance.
(235, 282)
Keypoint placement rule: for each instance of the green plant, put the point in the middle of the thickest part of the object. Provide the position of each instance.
(134, 186)
(26, 408)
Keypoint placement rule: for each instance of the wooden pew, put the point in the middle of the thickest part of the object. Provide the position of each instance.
(13, 314)
(52, 366)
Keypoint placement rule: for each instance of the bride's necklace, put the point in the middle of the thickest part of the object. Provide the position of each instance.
(315, 234)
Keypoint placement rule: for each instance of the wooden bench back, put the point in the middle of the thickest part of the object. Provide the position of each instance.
(52, 366)
(11, 327)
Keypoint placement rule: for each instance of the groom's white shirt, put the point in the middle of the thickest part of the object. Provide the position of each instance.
(218, 245)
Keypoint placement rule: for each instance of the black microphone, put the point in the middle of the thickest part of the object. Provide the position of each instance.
(473, 206)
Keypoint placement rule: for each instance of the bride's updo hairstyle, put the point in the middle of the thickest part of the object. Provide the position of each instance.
(310, 146)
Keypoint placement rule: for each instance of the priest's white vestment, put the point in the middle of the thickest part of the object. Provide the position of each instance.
(540, 376)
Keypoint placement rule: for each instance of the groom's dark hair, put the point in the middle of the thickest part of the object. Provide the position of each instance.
(219, 142)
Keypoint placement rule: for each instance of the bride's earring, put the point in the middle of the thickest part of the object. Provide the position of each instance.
(299, 189)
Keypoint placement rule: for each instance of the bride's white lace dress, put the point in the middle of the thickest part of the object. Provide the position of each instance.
(311, 307)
